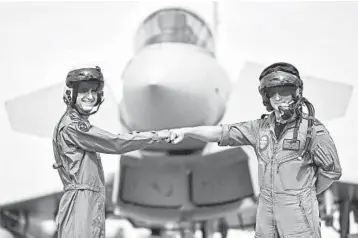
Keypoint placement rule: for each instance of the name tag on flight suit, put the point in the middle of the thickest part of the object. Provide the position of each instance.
(291, 144)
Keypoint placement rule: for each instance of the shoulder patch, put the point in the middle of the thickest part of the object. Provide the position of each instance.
(320, 129)
(81, 126)
(320, 132)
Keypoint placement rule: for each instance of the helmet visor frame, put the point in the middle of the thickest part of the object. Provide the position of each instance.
(83, 74)
(279, 79)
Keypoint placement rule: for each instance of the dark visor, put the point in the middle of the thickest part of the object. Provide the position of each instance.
(283, 91)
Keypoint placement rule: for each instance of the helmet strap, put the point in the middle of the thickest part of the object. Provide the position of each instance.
(93, 111)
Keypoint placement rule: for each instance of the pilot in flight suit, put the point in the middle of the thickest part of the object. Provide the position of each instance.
(297, 158)
(76, 144)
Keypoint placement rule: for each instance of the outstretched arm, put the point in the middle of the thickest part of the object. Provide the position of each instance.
(91, 138)
(243, 133)
(204, 133)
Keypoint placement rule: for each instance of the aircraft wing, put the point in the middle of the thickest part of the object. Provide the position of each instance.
(245, 101)
(35, 217)
(45, 206)
(345, 135)
(38, 112)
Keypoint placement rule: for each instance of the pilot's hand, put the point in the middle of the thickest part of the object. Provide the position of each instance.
(322, 159)
(176, 136)
(164, 135)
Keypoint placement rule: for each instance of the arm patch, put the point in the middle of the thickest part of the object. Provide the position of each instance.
(320, 132)
(82, 126)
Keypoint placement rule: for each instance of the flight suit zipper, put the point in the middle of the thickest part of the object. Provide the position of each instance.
(273, 182)
(272, 165)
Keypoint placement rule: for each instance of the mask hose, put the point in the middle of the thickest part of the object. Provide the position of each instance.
(311, 117)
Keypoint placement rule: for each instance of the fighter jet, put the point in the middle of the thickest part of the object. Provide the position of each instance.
(173, 79)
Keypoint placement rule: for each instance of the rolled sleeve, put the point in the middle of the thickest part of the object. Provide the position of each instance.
(224, 140)
(243, 133)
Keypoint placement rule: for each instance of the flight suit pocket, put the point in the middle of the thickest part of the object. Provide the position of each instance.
(304, 213)
(292, 175)
(293, 219)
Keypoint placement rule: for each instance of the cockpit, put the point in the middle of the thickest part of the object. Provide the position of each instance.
(174, 25)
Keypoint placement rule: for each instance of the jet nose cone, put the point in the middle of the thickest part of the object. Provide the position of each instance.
(177, 87)
(150, 94)
(150, 105)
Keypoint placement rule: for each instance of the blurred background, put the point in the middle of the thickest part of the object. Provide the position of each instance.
(166, 65)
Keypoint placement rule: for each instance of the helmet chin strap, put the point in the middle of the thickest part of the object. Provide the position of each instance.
(93, 111)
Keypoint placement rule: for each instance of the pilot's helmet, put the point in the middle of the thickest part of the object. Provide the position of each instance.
(279, 75)
(83, 78)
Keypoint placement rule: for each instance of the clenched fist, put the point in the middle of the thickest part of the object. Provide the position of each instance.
(163, 135)
(176, 135)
